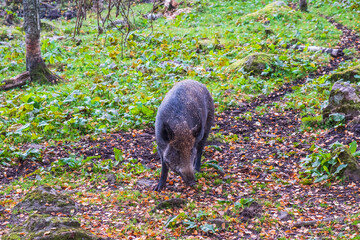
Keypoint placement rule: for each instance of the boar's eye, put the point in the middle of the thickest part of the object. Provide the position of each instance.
(196, 130)
(166, 132)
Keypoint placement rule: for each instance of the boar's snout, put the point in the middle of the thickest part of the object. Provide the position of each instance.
(188, 177)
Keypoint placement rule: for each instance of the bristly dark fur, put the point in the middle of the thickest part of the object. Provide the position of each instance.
(183, 123)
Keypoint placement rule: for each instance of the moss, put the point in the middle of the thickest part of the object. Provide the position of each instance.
(347, 74)
(41, 74)
(171, 203)
(253, 63)
(47, 227)
(347, 109)
(270, 9)
(47, 25)
(7, 33)
(352, 170)
(45, 199)
(38, 195)
(12, 236)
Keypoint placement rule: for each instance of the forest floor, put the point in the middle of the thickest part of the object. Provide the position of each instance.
(257, 191)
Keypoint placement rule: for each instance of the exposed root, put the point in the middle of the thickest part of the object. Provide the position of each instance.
(17, 81)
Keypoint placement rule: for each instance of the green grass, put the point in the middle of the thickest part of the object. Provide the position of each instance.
(105, 92)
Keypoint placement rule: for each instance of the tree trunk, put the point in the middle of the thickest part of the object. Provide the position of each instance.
(35, 65)
(303, 5)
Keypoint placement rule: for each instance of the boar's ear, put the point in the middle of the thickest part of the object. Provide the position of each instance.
(167, 133)
(196, 130)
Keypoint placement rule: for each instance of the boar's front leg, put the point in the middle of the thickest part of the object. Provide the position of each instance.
(199, 150)
(163, 177)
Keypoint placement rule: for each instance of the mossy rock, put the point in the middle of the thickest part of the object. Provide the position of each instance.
(45, 199)
(254, 63)
(48, 26)
(352, 170)
(171, 203)
(344, 99)
(354, 125)
(351, 74)
(9, 33)
(46, 227)
(268, 10)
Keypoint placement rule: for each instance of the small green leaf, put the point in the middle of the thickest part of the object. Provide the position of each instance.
(353, 147)
(322, 178)
(340, 167)
(207, 228)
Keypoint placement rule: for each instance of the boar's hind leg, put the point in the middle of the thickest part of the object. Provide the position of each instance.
(164, 174)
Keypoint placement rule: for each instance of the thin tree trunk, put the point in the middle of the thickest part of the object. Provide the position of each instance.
(303, 5)
(35, 65)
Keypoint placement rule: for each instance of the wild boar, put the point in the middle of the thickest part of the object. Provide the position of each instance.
(182, 125)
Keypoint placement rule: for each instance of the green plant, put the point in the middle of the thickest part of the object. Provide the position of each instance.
(118, 155)
(244, 202)
(9, 154)
(322, 164)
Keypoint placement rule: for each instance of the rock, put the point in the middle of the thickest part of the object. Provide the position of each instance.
(220, 223)
(46, 227)
(254, 210)
(171, 203)
(146, 182)
(36, 146)
(210, 44)
(111, 178)
(9, 33)
(153, 16)
(118, 24)
(56, 38)
(47, 25)
(45, 199)
(354, 125)
(254, 63)
(351, 74)
(344, 99)
(352, 171)
(284, 216)
(268, 10)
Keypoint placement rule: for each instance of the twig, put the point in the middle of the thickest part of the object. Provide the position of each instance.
(257, 180)
(332, 51)
(314, 222)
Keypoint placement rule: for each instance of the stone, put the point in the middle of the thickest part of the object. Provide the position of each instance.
(219, 223)
(268, 10)
(344, 99)
(354, 125)
(36, 146)
(111, 178)
(248, 213)
(171, 203)
(351, 74)
(46, 227)
(284, 216)
(254, 63)
(9, 33)
(48, 26)
(45, 199)
(352, 170)
(146, 182)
